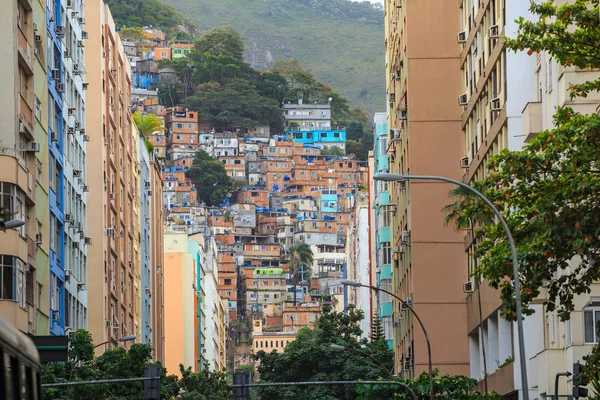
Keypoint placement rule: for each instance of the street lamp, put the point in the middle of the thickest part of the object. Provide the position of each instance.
(384, 176)
(347, 282)
(121, 339)
(15, 223)
(344, 348)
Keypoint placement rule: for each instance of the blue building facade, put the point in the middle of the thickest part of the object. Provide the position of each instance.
(383, 210)
(145, 242)
(56, 161)
(320, 138)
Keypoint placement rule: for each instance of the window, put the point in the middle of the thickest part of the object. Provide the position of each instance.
(591, 320)
(227, 282)
(12, 279)
(386, 253)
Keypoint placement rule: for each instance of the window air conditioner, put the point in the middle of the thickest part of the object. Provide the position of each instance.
(468, 287)
(462, 37)
(463, 99)
(464, 162)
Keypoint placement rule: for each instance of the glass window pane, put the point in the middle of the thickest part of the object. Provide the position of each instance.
(588, 326)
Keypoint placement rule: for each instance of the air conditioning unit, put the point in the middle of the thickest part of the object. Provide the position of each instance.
(82, 131)
(80, 43)
(113, 196)
(75, 245)
(68, 217)
(397, 249)
(494, 32)
(67, 53)
(87, 240)
(405, 238)
(468, 287)
(85, 85)
(38, 238)
(495, 104)
(110, 232)
(463, 99)
(403, 114)
(108, 323)
(76, 172)
(55, 74)
(149, 192)
(397, 75)
(38, 39)
(86, 188)
(34, 147)
(461, 37)
(54, 137)
(69, 3)
(81, 20)
(76, 69)
(55, 315)
(70, 130)
(464, 162)
(77, 125)
(60, 87)
(86, 138)
(60, 31)
(84, 35)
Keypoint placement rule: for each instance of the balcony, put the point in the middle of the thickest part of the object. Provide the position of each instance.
(531, 120)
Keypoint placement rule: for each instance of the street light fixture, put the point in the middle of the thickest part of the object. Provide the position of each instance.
(347, 282)
(121, 339)
(15, 223)
(384, 176)
(344, 348)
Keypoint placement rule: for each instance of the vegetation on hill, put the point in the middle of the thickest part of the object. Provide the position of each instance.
(137, 13)
(228, 93)
(339, 41)
(210, 179)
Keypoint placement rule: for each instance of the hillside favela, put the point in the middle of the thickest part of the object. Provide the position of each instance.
(220, 199)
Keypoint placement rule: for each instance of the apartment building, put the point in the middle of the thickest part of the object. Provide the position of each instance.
(184, 314)
(25, 295)
(182, 126)
(113, 176)
(381, 251)
(75, 187)
(497, 85)
(423, 83)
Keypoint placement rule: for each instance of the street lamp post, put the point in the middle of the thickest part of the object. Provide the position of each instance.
(121, 339)
(364, 353)
(405, 304)
(384, 176)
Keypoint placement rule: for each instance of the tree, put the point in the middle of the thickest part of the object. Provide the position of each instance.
(171, 91)
(205, 385)
(568, 32)
(113, 364)
(210, 179)
(147, 124)
(377, 332)
(548, 191)
(234, 104)
(333, 151)
(444, 387)
(310, 358)
(355, 131)
(221, 41)
(301, 257)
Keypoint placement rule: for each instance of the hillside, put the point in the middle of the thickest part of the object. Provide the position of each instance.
(340, 41)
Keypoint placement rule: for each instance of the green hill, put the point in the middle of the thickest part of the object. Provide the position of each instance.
(342, 42)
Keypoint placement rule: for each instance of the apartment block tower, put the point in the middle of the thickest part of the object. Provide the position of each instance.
(116, 198)
(74, 189)
(495, 90)
(24, 298)
(423, 83)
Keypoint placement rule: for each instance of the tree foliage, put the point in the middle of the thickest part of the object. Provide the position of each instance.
(210, 179)
(569, 32)
(444, 387)
(148, 124)
(118, 363)
(377, 332)
(310, 358)
(301, 260)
